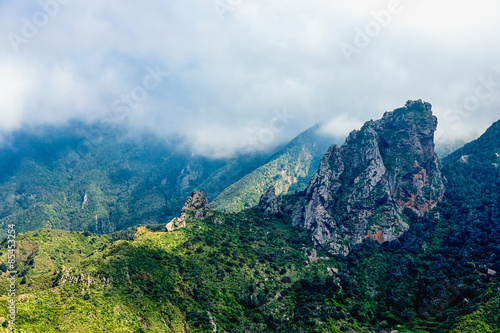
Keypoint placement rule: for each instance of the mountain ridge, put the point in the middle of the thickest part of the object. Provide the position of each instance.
(83, 177)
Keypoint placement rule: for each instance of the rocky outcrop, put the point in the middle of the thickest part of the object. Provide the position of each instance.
(187, 176)
(361, 188)
(196, 203)
(268, 202)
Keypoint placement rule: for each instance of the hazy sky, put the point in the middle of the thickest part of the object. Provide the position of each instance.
(226, 73)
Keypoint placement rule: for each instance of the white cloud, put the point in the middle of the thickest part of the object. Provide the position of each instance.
(15, 86)
(340, 126)
(228, 76)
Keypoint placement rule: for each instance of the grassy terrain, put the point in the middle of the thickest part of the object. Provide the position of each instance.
(238, 273)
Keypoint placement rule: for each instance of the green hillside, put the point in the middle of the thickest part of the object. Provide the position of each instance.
(242, 273)
(233, 271)
(288, 170)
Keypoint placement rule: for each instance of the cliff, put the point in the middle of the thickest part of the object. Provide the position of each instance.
(361, 188)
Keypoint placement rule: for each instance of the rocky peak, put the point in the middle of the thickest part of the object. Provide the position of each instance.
(197, 203)
(361, 188)
(268, 202)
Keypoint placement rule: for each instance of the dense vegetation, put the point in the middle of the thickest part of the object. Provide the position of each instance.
(239, 272)
(251, 273)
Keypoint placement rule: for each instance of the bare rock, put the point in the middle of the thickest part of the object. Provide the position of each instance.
(268, 202)
(196, 203)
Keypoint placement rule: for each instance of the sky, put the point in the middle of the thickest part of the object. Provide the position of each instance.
(234, 74)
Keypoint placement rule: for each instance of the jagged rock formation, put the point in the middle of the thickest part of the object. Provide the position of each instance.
(361, 188)
(198, 203)
(268, 202)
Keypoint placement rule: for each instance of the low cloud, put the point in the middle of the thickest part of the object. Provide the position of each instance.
(340, 127)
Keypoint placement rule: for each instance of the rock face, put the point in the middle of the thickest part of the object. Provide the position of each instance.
(198, 203)
(361, 188)
(268, 202)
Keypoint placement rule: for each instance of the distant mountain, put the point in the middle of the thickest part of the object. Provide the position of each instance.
(443, 150)
(89, 177)
(288, 170)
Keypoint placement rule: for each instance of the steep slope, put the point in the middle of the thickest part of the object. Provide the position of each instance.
(473, 191)
(484, 150)
(288, 170)
(89, 177)
(361, 188)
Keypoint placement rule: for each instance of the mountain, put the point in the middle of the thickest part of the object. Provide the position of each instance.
(260, 271)
(484, 150)
(361, 188)
(443, 150)
(288, 170)
(472, 176)
(98, 178)
(442, 275)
